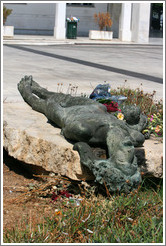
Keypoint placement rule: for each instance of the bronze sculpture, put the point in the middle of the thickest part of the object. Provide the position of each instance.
(87, 123)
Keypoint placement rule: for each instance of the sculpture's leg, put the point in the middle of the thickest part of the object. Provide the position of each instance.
(25, 89)
(40, 91)
(41, 100)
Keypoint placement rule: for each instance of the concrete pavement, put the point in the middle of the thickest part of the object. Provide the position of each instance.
(81, 63)
(50, 40)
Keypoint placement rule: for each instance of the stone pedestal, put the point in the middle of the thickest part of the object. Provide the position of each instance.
(150, 158)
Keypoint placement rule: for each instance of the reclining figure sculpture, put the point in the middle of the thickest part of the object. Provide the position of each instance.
(87, 123)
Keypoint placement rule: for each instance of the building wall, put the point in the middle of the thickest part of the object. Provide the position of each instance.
(39, 18)
(32, 18)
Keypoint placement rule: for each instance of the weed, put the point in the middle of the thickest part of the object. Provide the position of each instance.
(133, 218)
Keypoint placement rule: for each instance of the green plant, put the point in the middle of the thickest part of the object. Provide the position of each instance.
(155, 125)
(152, 109)
(103, 20)
(144, 100)
(6, 13)
(123, 218)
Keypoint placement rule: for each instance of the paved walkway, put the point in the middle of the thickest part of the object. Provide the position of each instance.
(50, 40)
(81, 62)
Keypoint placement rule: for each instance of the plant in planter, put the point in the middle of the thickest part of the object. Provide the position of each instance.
(103, 20)
(8, 31)
(6, 13)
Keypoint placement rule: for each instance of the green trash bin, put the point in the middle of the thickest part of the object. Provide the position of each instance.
(71, 29)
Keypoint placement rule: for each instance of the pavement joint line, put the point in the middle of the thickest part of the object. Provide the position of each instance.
(91, 64)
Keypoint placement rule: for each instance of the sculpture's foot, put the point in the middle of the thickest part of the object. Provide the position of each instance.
(25, 89)
(25, 85)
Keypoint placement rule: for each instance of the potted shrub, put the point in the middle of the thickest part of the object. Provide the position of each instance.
(103, 20)
(8, 31)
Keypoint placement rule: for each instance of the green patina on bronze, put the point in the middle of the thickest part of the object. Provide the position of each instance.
(87, 123)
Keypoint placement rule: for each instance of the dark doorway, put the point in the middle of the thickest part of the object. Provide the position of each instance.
(156, 20)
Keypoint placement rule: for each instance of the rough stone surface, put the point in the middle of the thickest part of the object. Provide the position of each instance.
(150, 157)
(28, 137)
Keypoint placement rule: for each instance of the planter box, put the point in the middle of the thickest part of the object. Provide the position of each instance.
(104, 35)
(8, 32)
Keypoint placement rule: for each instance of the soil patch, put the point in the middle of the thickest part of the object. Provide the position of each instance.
(18, 180)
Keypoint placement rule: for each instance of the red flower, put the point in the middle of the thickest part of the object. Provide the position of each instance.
(65, 193)
(54, 196)
(111, 107)
(60, 193)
